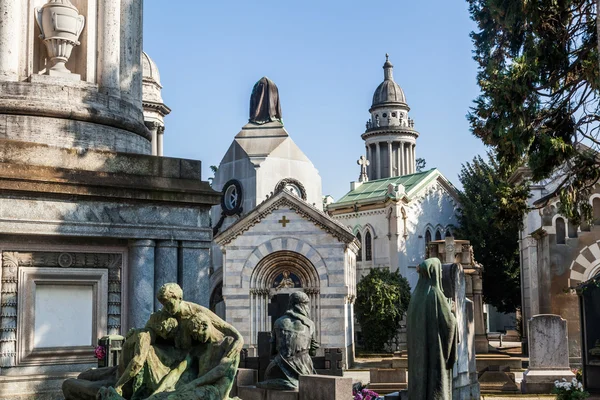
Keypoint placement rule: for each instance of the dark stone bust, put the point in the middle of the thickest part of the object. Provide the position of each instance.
(264, 102)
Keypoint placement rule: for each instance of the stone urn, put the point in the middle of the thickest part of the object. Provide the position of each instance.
(61, 25)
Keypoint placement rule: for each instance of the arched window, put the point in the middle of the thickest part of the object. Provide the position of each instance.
(427, 236)
(448, 233)
(359, 255)
(596, 207)
(438, 235)
(572, 230)
(368, 246)
(560, 231)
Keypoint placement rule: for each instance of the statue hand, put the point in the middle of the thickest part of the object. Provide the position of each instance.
(235, 350)
(119, 390)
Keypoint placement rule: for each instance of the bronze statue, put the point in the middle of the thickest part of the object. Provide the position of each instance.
(432, 336)
(264, 102)
(184, 351)
(293, 340)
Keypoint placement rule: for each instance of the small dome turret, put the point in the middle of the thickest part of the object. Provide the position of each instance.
(388, 92)
(149, 69)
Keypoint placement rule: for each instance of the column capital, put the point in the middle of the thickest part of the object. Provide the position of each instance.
(167, 243)
(141, 243)
(188, 244)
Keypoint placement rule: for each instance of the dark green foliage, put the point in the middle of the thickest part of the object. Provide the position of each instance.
(539, 103)
(381, 302)
(490, 217)
(421, 163)
(214, 170)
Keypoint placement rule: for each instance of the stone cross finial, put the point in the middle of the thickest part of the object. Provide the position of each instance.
(364, 163)
(387, 57)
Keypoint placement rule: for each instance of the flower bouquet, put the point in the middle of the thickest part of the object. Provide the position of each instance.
(566, 390)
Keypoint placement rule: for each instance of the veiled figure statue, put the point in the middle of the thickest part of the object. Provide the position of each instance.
(432, 336)
(264, 102)
(184, 352)
(293, 340)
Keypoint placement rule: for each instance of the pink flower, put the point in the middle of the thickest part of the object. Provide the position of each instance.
(100, 352)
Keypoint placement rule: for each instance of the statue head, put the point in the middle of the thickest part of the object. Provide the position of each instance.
(170, 296)
(201, 328)
(299, 302)
(431, 270)
(264, 102)
(166, 328)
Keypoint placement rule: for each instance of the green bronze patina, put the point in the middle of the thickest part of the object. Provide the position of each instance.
(184, 352)
(432, 336)
(294, 344)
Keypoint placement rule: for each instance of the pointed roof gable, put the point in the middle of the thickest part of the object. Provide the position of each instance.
(280, 199)
(377, 190)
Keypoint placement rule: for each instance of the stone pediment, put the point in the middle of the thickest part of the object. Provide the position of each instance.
(284, 199)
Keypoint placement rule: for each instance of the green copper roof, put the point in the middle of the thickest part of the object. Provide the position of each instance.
(377, 190)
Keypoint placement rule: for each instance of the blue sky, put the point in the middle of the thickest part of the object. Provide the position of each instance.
(326, 58)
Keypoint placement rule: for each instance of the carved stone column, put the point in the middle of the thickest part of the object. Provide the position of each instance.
(378, 152)
(131, 51)
(390, 160)
(109, 49)
(165, 266)
(10, 29)
(141, 282)
(153, 126)
(368, 155)
(194, 273)
(159, 144)
(481, 341)
(399, 156)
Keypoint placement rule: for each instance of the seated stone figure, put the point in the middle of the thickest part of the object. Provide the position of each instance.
(184, 349)
(293, 337)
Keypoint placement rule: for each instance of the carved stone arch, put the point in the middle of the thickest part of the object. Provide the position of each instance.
(358, 228)
(369, 227)
(289, 244)
(585, 265)
(277, 262)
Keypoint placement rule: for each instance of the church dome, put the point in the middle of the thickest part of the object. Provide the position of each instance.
(388, 91)
(149, 68)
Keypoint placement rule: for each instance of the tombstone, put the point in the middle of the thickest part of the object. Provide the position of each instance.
(589, 303)
(317, 387)
(548, 354)
(465, 385)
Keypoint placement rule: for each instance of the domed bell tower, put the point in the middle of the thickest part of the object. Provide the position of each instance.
(390, 137)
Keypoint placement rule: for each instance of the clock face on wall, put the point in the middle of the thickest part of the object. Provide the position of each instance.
(231, 202)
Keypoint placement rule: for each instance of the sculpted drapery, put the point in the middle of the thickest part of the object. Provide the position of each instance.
(264, 102)
(432, 337)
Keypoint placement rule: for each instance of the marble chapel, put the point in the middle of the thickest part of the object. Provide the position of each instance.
(272, 237)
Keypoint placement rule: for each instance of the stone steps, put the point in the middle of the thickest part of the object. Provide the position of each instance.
(386, 388)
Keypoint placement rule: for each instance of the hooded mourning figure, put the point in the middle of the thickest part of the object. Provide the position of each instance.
(293, 338)
(264, 102)
(432, 336)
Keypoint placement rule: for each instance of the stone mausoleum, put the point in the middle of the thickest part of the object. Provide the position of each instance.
(556, 257)
(91, 222)
(272, 237)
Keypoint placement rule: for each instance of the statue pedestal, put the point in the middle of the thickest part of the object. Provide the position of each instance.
(254, 393)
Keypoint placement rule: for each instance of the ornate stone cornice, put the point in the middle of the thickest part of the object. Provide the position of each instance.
(284, 199)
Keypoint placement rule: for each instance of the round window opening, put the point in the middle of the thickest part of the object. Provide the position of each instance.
(231, 197)
(394, 115)
(384, 115)
(231, 201)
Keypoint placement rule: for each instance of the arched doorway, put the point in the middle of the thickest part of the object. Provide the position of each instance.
(275, 277)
